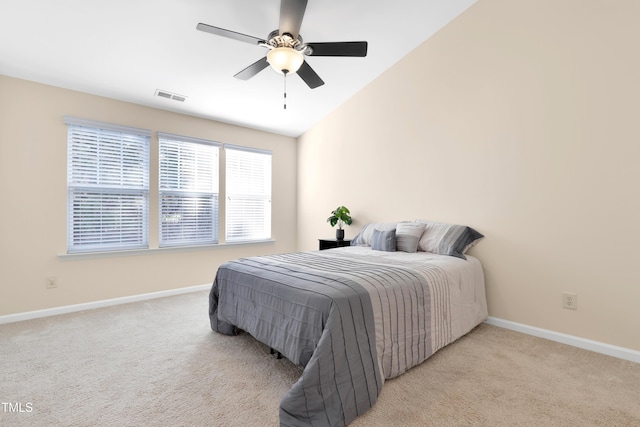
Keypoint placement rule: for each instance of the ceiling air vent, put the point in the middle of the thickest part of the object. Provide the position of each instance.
(169, 95)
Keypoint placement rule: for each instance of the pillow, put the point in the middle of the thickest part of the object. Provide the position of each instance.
(408, 235)
(447, 239)
(364, 237)
(383, 240)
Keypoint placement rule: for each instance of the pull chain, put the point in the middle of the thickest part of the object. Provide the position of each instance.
(285, 87)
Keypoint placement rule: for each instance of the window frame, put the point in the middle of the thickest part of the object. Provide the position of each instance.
(190, 194)
(93, 192)
(101, 241)
(230, 217)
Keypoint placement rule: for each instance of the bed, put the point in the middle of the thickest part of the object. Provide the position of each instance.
(351, 316)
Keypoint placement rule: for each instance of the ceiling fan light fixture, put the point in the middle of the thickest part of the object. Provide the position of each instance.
(285, 58)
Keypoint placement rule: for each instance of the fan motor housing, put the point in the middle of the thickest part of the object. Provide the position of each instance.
(286, 40)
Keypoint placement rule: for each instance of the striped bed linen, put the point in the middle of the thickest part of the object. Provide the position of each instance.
(352, 317)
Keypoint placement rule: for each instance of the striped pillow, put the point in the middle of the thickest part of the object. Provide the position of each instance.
(363, 238)
(408, 235)
(383, 240)
(447, 239)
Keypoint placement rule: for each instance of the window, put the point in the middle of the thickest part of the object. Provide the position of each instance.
(108, 189)
(248, 187)
(188, 190)
(108, 186)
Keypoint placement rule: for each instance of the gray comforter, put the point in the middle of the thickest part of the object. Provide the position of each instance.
(349, 321)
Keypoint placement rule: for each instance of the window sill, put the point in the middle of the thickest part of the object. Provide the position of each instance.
(165, 249)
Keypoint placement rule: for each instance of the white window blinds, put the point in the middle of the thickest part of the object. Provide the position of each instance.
(108, 186)
(188, 190)
(248, 191)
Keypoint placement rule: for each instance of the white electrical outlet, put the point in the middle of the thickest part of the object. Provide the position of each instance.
(570, 300)
(52, 282)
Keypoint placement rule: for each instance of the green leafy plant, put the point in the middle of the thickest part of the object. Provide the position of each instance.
(339, 216)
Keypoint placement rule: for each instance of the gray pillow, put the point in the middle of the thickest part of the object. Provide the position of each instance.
(448, 239)
(363, 238)
(383, 240)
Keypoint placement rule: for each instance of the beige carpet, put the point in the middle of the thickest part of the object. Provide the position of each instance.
(157, 363)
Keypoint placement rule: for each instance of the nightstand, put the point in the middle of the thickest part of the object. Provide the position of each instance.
(333, 243)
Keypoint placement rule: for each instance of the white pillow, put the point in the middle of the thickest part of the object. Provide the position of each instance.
(408, 235)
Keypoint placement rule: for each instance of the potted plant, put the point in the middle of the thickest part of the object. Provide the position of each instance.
(339, 216)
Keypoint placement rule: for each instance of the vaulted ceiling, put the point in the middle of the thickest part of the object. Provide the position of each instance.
(127, 50)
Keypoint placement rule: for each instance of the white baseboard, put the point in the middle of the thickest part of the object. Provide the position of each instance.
(598, 347)
(9, 318)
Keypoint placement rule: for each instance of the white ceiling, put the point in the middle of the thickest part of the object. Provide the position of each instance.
(126, 49)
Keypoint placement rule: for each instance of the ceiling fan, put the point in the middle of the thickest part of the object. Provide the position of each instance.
(286, 47)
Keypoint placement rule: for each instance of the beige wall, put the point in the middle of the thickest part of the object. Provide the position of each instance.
(520, 118)
(33, 207)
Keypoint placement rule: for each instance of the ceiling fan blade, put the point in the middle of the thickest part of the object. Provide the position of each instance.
(291, 14)
(309, 76)
(338, 49)
(253, 69)
(229, 34)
